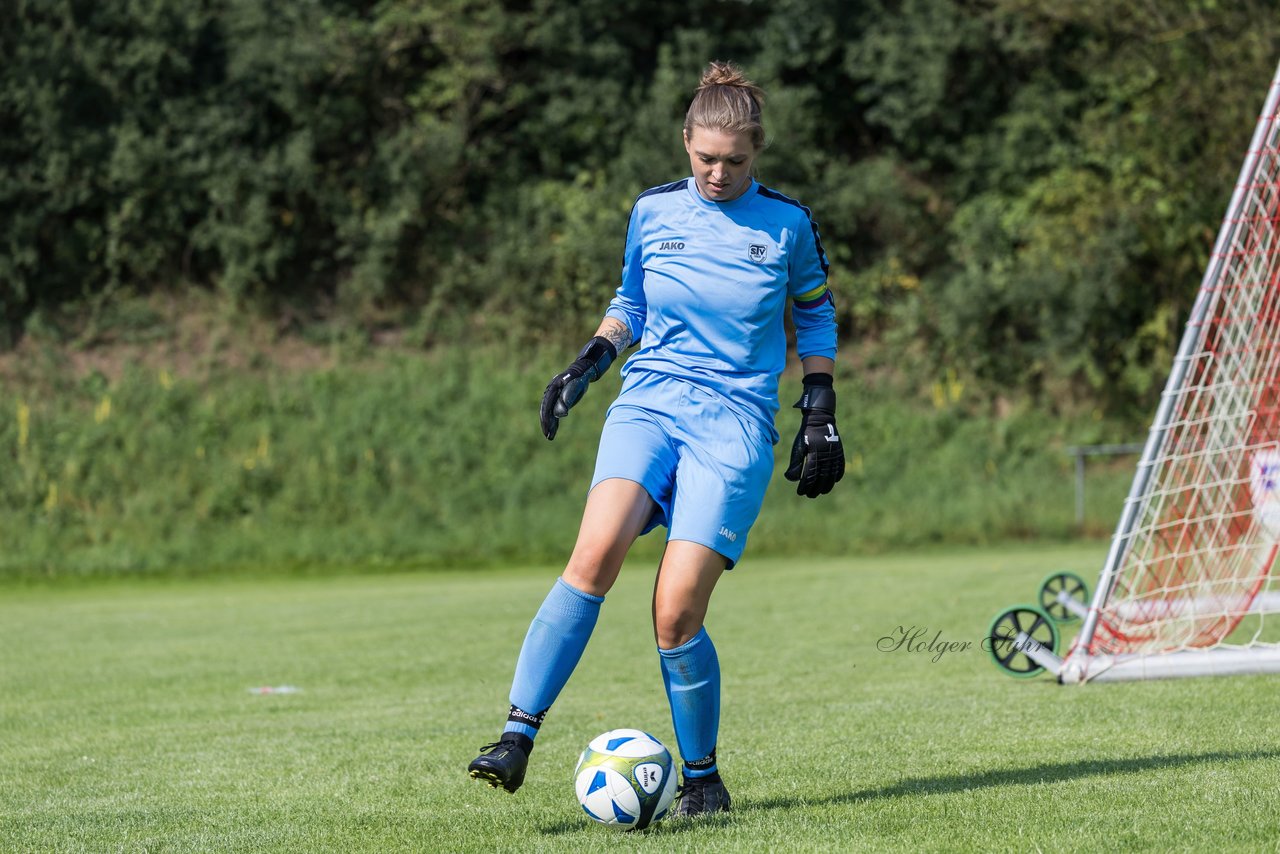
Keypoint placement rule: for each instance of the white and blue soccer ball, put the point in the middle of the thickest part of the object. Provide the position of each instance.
(625, 779)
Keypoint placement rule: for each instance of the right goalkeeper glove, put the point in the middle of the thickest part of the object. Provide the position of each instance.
(567, 387)
(817, 455)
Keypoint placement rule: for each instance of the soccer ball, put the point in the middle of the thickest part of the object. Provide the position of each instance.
(625, 779)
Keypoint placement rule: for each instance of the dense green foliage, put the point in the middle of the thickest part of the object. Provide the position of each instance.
(128, 721)
(438, 460)
(1023, 189)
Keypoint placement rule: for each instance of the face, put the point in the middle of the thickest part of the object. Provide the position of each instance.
(721, 162)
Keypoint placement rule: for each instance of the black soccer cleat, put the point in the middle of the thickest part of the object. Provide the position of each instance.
(503, 763)
(701, 796)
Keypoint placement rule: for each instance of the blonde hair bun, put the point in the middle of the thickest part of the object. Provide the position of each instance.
(727, 101)
(728, 74)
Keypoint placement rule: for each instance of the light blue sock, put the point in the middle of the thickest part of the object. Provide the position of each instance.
(691, 675)
(554, 644)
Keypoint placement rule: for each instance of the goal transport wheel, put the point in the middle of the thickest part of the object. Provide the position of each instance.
(1016, 634)
(1064, 596)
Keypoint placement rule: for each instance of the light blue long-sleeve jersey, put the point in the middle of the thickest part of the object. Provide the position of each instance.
(704, 286)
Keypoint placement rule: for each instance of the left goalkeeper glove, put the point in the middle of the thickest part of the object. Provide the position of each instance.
(567, 387)
(817, 455)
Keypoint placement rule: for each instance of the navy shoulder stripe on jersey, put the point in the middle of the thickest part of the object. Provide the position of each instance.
(665, 188)
(817, 240)
(653, 191)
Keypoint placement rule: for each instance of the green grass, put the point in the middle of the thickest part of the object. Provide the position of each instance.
(436, 459)
(127, 722)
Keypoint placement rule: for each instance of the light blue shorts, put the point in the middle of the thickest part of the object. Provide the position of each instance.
(705, 466)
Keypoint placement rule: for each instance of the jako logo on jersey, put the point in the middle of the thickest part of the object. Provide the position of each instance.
(758, 252)
(671, 246)
(731, 536)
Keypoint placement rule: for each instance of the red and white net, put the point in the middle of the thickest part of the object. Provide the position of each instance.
(1200, 552)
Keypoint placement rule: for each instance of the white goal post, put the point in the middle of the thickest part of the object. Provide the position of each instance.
(1187, 588)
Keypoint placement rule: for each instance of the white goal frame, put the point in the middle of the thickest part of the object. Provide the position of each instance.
(1102, 652)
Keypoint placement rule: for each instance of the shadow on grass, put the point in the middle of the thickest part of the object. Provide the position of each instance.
(1050, 773)
(947, 784)
(662, 828)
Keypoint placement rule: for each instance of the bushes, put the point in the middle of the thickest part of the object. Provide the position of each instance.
(272, 149)
(1024, 191)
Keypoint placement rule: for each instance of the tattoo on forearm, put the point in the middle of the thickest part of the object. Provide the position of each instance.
(616, 333)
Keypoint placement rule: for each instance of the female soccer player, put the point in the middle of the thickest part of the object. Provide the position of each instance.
(710, 261)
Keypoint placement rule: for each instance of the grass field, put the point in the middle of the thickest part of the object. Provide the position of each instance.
(129, 720)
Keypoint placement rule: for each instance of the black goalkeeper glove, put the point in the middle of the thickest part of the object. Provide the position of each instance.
(567, 387)
(817, 456)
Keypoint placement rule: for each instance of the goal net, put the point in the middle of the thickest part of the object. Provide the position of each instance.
(1188, 581)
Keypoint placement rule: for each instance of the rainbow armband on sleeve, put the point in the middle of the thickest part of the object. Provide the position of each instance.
(814, 298)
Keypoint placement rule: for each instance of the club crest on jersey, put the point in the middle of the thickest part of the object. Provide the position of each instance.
(671, 246)
(758, 252)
